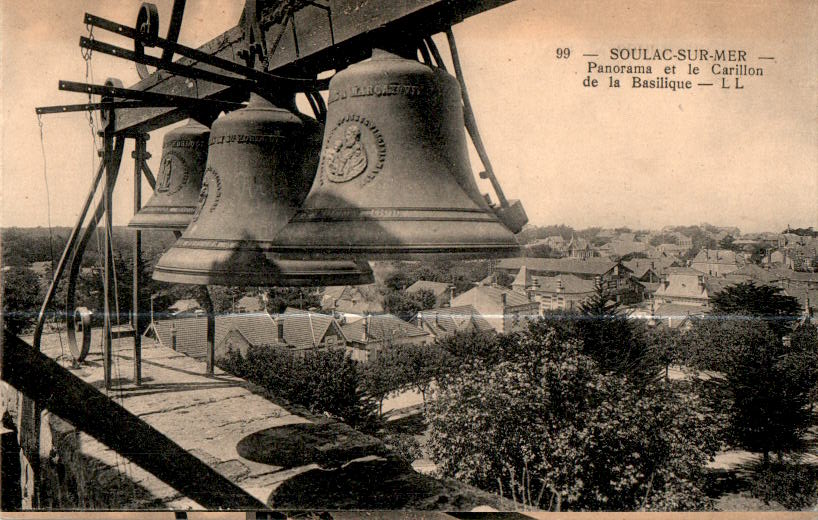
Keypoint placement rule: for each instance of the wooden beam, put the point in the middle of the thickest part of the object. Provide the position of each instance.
(322, 40)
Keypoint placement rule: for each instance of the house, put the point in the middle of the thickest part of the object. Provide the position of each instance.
(443, 291)
(672, 249)
(505, 310)
(349, 299)
(650, 270)
(188, 335)
(683, 241)
(562, 292)
(368, 336)
(185, 307)
(443, 322)
(579, 248)
(686, 286)
(675, 315)
(295, 330)
(614, 276)
(302, 330)
(754, 273)
(716, 262)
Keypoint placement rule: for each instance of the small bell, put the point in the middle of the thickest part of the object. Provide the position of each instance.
(394, 179)
(261, 161)
(176, 194)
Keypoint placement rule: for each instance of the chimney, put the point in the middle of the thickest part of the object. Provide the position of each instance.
(173, 335)
(505, 299)
(367, 324)
(451, 294)
(280, 331)
(560, 286)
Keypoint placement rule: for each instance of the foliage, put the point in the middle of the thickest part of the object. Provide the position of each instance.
(606, 334)
(766, 383)
(792, 484)
(542, 251)
(224, 298)
(279, 298)
(462, 275)
(324, 381)
(406, 305)
(503, 279)
(664, 345)
(405, 446)
(553, 431)
(471, 346)
(21, 299)
(404, 365)
(763, 302)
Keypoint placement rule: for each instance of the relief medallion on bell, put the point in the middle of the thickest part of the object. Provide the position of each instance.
(353, 147)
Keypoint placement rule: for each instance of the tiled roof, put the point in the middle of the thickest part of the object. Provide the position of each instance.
(452, 319)
(559, 265)
(683, 283)
(348, 299)
(796, 276)
(191, 333)
(753, 272)
(513, 298)
(305, 329)
(717, 256)
(185, 305)
(523, 278)
(379, 327)
(570, 284)
(676, 313)
(438, 288)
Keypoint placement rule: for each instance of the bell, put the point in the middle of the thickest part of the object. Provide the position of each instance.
(176, 194)
(260, 164)
(394, 179)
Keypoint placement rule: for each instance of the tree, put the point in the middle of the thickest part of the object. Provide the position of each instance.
(279, 298)
(606, 334)
(762, 302)
(553, 431)
(21, 299)
(406, 305)
(224, 298)
(765, 384)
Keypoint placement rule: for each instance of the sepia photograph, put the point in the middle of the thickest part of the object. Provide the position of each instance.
(408, 259)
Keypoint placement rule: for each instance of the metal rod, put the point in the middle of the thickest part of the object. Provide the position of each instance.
(211, 329)
(114, 105)
(194, 54)
(176, 14)
(471, 122)
(107, 280)
(144, 95)
(139, 155)
(172, 67)
(85, 407)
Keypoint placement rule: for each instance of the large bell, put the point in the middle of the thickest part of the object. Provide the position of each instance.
(260, 164)
(176, 195)
(394, 180)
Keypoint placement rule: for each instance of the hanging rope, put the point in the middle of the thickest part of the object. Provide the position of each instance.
(48, 213)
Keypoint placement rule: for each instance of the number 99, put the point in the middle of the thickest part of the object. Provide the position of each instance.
(563, 53)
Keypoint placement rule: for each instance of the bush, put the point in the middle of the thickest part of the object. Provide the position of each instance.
(793, 485)
(323, 381)
(553, 431)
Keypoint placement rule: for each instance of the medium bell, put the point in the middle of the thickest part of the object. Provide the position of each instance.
(176, 195)
(260, 164)
(394, 179)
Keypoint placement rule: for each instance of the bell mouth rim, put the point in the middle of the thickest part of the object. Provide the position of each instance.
(255, 279)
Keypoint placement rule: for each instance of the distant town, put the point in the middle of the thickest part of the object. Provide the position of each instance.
(603, 369)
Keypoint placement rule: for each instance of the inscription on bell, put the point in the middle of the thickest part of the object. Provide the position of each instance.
(389, 89)
(245, 139)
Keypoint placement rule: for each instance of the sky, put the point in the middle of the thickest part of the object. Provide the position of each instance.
(582, 156)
